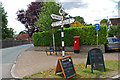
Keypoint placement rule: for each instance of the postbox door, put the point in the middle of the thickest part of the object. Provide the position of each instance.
(76, 44)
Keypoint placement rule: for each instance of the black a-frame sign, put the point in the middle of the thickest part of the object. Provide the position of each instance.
(65, 65)
(95, 59)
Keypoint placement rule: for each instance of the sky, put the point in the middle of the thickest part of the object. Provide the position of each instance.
(91, 10)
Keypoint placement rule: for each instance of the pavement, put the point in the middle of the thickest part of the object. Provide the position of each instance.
(30, 61)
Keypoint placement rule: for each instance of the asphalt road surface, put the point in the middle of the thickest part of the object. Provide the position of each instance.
(9, 56)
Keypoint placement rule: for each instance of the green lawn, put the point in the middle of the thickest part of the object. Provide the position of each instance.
(82, 72)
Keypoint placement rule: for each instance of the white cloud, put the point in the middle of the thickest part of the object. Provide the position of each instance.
(96, 10)
(11, 7)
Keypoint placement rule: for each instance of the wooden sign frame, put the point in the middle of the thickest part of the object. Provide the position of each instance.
(89, 61)
(59, 67)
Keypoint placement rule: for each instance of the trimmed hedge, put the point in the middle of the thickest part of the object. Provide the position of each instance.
(87, 36)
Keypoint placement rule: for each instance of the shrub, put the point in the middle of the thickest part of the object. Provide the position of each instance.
(8, 38)
(118, 32)
(87, 36)
(112, 31)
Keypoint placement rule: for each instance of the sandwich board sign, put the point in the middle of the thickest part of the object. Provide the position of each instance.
(95, 59)
(65, 65)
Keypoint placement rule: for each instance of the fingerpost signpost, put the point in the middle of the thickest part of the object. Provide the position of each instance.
(62, 22)
(64, 64)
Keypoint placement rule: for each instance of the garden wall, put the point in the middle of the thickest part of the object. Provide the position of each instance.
(83, 48)
(11, 43)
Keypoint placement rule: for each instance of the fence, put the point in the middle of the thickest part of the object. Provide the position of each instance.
(11, 43)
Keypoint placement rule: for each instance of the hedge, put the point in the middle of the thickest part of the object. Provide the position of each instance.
(87, 36)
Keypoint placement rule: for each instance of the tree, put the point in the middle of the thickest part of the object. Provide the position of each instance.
(77, 24)
(114, 31)
(23, 32)
(29, 17)
(45, 20)
(118, 30)
(6, 32)
(86, 24)
(104, 21)
(80, 19)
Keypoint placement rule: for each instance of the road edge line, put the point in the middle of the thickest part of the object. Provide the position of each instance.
(117, 76)
(12, 69)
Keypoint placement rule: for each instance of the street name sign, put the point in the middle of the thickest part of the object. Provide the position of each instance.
(54, 16)
(67, 21)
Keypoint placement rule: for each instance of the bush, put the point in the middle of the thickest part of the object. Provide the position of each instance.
(87, 36)
(8, 38)
(118, 28)
(42, 38)
(112, 31)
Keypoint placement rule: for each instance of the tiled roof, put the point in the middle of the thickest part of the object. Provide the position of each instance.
(22, 37)
(115, 21)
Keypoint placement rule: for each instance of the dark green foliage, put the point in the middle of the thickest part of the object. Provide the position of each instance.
(103, 21)
(80, 19)
(6, 32)
(118, 28)
(42, 38)
(114, 31)
(87, 36)
(23, 32)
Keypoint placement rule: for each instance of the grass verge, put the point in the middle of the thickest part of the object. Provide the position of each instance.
(82, 72)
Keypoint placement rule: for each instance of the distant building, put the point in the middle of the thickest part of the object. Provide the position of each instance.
(23, 37)
(114, 21)
(119, 9)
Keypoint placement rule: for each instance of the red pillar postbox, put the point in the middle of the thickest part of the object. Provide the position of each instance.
(76, 44)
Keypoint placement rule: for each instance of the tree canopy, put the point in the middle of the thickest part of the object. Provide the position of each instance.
(6, 32)
(77, 24)
(29, 17)
(80, 19)
(104, 21)
(114, 31)
(45, 20)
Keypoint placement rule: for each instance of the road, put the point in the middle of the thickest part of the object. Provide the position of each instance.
(9, 56)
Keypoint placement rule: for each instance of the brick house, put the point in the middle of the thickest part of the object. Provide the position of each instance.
(114, 21)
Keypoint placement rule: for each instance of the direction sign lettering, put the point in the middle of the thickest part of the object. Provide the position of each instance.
(67, 21)
(54, 16)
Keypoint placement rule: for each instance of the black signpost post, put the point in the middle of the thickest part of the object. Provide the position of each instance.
(95, 59)
(64, 64)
